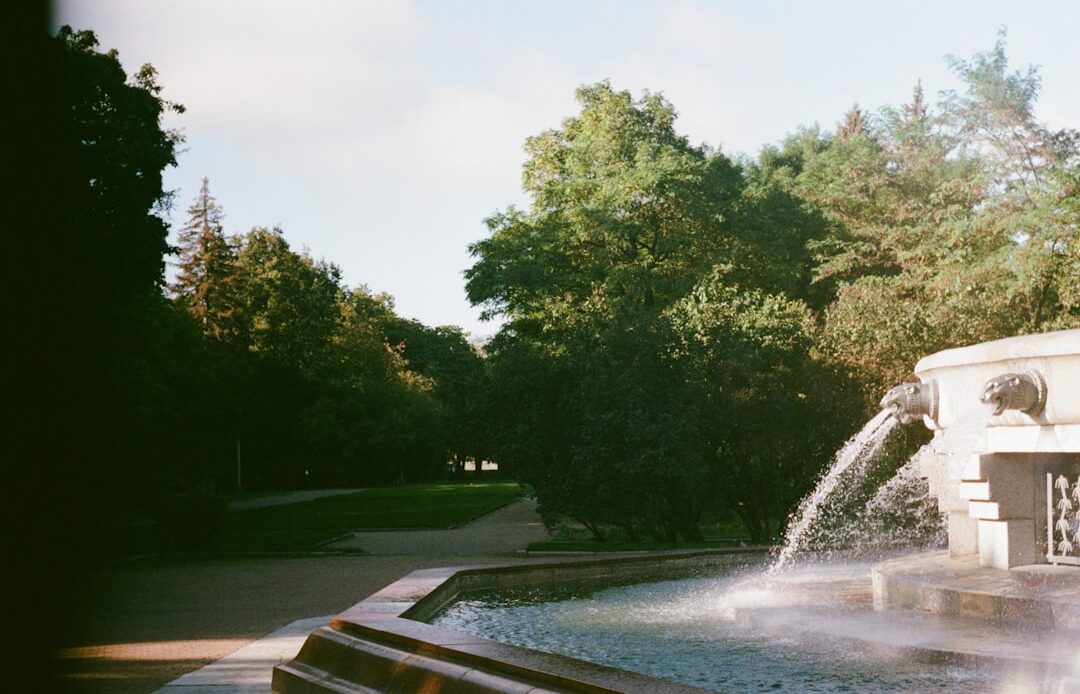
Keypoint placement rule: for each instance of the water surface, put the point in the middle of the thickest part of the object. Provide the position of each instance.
(811, 630)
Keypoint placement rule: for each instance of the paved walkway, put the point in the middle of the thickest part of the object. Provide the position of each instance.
(504, 531)
(249, 669)
(146, 624)
(285, 498)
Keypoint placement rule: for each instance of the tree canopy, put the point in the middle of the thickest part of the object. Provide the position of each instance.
(686, 333)
(683, 329)
(639, 262)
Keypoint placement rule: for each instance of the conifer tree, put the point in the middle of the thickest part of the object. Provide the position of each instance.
(206, 279)
(854, 123)
(916, 110)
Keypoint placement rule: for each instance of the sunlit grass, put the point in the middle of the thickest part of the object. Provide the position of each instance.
(305, 525)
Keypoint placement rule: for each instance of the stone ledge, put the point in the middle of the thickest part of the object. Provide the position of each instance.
(1038, 596)
(378, 645)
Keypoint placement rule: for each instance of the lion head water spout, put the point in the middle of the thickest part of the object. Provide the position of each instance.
(1025, 392)
(911, 401)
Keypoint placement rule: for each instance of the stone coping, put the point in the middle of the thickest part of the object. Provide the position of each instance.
(1038, 597)
(1052, 344)
(382, 643)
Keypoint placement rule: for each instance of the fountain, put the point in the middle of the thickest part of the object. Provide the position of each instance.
(1004, 464)
(1006, 417)
(998, 610)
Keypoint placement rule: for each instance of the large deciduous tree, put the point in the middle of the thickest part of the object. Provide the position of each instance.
(602, 405)
(83, 261)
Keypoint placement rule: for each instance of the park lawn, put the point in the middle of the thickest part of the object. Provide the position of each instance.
(304, 525)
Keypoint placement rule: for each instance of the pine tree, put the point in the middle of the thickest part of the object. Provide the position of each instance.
(854, 123)
(206, 281)
(916, 110)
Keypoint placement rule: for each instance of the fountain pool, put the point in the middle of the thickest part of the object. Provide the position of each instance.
(736, 629)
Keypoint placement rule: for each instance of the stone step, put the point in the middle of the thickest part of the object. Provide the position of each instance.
(1004, 544)
(999, 510)
(978, 490)
(985, 510)
(975, 468)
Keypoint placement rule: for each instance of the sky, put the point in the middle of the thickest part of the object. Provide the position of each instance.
(379, 134)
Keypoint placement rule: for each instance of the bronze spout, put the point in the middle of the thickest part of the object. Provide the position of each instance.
(1025, 392)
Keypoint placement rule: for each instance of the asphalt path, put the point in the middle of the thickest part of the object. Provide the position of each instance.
(142, 624)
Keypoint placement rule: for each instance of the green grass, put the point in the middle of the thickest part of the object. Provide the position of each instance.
(579, 540)
(303, 525)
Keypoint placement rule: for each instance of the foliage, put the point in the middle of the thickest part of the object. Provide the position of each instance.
(765, 403)
(685, 330)
(206, 273)
(635, 243)
(259, 369)
(326, 360)
(107, 328)
(686, 335)
(948, 227)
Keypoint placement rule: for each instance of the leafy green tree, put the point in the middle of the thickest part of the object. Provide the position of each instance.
(941, 226)
(83, 268)
(374, 419)
(769, 413)
(624, 210)
(114, 171)
(290, 302)
(444, 356)
(602, 406)
(110, 252)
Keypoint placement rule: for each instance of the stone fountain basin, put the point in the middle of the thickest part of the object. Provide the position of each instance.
(960, 374)
(383, 643)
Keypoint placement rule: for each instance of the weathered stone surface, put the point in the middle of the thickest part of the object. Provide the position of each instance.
(959, 375)
(1037, 597)
(992, 448)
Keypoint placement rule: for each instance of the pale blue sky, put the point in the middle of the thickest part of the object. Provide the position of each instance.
(380, 134)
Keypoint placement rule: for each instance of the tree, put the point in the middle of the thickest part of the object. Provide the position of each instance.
(207, 277)
(624, 210)
(769, 414)
(114, 172)
(83, 268)
(291, 302)
(948, 227)
(111, 252)
(853, 124)
(456, 371)
(602, 407)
